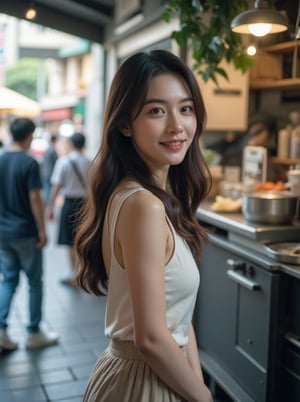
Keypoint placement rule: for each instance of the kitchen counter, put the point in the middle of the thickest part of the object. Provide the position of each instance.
(250, 235)
(293, 270)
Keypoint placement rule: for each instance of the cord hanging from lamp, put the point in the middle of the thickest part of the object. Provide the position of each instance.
(259, 21)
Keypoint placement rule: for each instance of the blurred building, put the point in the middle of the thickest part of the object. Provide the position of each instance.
(64, 69)
(68, 78)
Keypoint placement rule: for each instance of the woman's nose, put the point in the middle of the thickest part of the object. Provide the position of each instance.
(174, 124)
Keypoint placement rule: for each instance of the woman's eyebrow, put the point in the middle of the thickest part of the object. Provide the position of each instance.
(159, 100)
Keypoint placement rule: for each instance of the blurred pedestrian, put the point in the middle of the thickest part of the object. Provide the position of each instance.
(69, 178)
(47, 165)
(22, 234)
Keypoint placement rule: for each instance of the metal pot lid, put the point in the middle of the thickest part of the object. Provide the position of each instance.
(272, 195)
(284, 252)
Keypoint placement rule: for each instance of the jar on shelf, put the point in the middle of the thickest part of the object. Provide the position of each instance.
(284, 143)
(295, 143)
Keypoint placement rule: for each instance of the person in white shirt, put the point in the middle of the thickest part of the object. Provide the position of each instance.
(69, 178)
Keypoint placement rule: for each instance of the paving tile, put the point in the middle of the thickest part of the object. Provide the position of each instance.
(56, 376)
(86, 344)
(83, 371)
(18, 356)
(20, 381)
(68, 338)
(3, 385)
(34, 394)
(79, 347)
(45, 353)
(7, 396)
(92, 329)
(65, 361)
(68, 334)
(16, 369)
(74, 389)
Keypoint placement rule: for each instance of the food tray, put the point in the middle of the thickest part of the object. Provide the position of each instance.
(226, 204)
(284, 252)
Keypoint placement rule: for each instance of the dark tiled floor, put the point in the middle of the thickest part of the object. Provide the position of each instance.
(57, 373)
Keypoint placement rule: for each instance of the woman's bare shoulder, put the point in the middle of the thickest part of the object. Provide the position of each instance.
(143, 201)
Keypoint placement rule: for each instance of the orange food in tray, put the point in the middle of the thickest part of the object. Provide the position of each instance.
(270, 185)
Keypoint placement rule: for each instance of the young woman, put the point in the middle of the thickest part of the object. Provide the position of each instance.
(139, 237)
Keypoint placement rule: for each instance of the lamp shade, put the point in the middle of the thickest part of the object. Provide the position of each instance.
(261, 17)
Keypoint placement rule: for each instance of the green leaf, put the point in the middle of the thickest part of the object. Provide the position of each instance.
(222, 72)
(205, 26)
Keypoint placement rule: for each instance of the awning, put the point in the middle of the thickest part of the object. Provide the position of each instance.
(14, 103)
(58, 114)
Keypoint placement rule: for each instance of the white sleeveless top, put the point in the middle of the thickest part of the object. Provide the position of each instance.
(181, 286)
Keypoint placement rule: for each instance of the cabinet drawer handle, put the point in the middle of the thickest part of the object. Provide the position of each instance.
(293, 339)
(247, 283)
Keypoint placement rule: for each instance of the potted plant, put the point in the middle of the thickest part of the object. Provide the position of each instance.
(205, 31)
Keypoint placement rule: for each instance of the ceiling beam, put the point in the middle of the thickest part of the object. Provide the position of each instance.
(76, 8)
(78, 26)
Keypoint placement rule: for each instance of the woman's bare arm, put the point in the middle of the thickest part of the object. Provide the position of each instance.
(193, 354)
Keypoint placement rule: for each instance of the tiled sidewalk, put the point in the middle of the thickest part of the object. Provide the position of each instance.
(57, 373)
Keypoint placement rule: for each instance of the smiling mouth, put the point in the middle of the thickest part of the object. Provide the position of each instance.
(174, 146)
(173, 143)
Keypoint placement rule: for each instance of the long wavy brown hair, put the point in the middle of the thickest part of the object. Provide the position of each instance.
(189, 182)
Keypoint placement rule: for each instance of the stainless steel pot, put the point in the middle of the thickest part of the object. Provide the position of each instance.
(271, 207)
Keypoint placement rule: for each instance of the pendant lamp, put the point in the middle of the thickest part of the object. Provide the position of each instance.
(31, 12)
(259, 21)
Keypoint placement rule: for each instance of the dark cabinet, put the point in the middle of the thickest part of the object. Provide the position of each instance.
(237, 321)
(290, 370)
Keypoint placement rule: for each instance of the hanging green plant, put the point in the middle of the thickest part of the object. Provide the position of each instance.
(205, 30)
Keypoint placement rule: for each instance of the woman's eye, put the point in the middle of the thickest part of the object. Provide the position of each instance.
(187, 109)
(156, 110)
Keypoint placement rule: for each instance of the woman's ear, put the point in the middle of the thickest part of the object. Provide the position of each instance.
(125, 130)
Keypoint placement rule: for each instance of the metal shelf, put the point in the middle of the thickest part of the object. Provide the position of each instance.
(282, 83)
(265, 83)
(286, 161)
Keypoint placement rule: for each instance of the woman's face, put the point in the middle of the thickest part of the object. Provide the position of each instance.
(166, 124)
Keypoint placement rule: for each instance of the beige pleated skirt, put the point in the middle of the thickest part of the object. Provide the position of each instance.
(122, 375)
